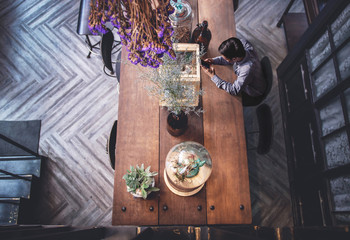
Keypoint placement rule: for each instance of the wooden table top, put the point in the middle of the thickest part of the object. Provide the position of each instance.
(142, 138)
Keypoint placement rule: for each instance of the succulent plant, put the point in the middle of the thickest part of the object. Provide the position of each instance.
(140, 180)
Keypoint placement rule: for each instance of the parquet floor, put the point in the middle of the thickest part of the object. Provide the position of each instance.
(268, 174)
(44, 74)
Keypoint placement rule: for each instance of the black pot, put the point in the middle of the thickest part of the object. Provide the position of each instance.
(177, 124)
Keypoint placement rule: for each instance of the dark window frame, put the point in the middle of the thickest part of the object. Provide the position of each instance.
(338, 90)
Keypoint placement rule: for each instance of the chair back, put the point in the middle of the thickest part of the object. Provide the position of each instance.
(83, 19)
(112, 140)
(267, 71)
(264, 116)
(106, 50)
(235, 5)
(268, 76)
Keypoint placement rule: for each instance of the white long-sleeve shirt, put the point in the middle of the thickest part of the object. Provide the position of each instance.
(250, 78)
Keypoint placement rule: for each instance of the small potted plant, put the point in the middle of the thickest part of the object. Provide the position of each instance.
(177, 85)
(140, 181)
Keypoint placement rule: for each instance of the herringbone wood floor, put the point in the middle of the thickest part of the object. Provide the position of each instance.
(44, 74)
(269, 185)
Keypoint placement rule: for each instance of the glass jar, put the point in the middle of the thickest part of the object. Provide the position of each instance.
(187, 167)
(181, 20)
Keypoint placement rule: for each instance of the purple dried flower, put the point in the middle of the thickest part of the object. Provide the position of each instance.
(143, 63)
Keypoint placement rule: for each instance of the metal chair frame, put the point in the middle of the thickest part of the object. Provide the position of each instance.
(91, 46)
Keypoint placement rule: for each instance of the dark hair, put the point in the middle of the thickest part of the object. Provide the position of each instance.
(232, 48)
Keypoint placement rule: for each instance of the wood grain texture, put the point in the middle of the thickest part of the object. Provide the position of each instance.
(44, 74)
(224, 135)
(181, 210)
(137, 143)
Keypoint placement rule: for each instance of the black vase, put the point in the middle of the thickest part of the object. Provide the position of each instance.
(177, 123)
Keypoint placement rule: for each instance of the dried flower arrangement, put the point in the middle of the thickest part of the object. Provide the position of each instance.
(143, 26)
(174, 90)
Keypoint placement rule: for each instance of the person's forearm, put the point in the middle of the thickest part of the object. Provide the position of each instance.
(220, 61)
(227, 86)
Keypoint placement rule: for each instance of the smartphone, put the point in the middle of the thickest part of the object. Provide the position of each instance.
(205, 64)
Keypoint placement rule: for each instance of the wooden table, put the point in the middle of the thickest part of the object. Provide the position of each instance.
(142, 138)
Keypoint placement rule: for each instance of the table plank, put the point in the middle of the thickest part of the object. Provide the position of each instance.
(223, 123)
(137, 142)
(181, 210)
(142, 138)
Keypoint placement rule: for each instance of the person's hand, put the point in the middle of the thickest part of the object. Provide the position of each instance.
(209, 71)
(209, 60)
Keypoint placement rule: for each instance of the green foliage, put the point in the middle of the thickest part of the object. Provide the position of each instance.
(139, 180)
(168, 86)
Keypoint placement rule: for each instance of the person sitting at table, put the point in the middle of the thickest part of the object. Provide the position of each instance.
(250, 82)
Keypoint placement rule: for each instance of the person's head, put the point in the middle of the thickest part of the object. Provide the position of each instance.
(232, 50)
